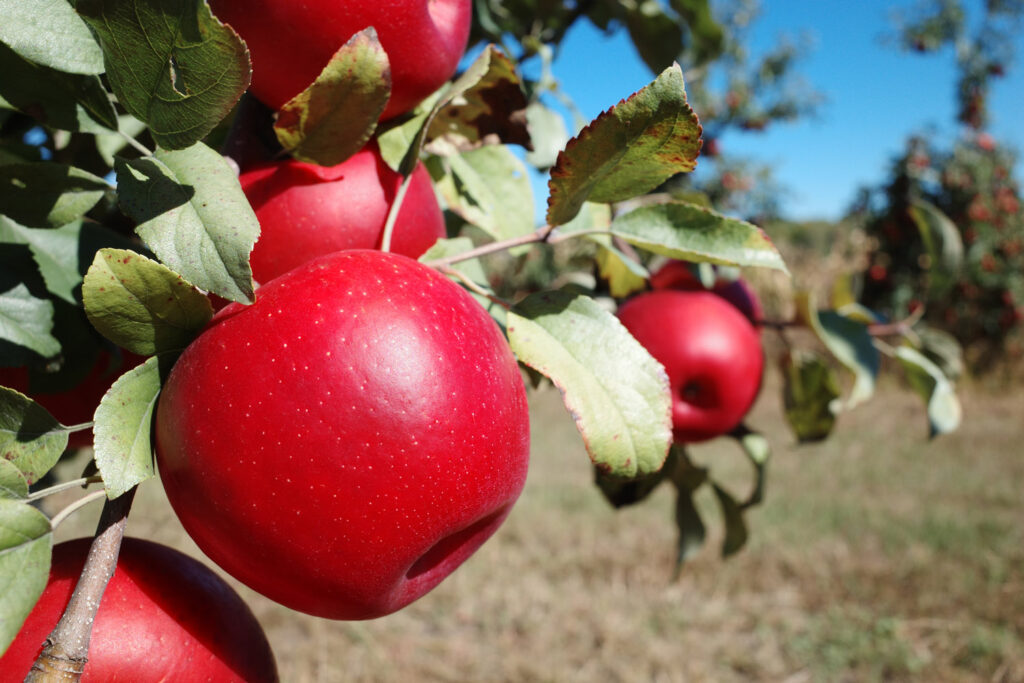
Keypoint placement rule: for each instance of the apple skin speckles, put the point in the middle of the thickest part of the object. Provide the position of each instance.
(382, 404)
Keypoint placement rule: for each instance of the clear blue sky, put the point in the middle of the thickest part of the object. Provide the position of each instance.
(876, 95)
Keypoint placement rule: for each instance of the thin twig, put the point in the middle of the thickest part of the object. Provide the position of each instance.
(75, 507)
(66, 650)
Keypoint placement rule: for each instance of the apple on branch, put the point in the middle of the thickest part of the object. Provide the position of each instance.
(348, 440)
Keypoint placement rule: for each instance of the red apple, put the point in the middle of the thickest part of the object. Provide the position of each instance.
(348, 440)
(77, 405)
(306, 210)
(711, 352)
(164, 617)
(679, 275)
(291, 42)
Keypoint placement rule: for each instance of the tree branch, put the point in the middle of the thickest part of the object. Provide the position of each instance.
(66, 650)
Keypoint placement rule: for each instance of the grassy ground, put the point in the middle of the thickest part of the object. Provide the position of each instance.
(877, 556)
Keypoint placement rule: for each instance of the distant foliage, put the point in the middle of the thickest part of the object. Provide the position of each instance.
(976, 295)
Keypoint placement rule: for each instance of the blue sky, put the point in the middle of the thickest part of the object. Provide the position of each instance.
(876, 95)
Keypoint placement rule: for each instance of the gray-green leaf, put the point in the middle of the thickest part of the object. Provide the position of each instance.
(628, 150)
(142, 305)
(942, 240)
(334, 117)
(13, 484)
(490, 188)
(810, 394)
(735, 525)
(30, 439)
(59, 100)
(26, 544)
(616, 392)
(694, 233)
(193, 214)
(27, 321)
(49, 32)
(171, 64)
(48, 194)
(850, 342)
(927, 379)
(124, 451)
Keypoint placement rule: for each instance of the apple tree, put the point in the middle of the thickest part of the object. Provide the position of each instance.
(364, 396)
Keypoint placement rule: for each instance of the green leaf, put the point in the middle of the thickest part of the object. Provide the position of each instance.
(484, 106)
(692, 531)
(142, 305)
(170, 63)
(123, 445)
(735, 525)
(693, 233)
(621, 492)
(927, 379)
(657, 37)
(547, 133)
(943, 349)
(707, 35)
(758, 450)
(334, 117)
(810, 394)
(192, 213)
(942, 240)
(26, 544)
(109, 144)
(62, 254)
(850, 342)
(49, 32)
(628, 150)
(616, 392)
(56, 99)
(30, 439)
(623, 275)
(48, 194)
(27, 321)
(490, 188)
(13, 484)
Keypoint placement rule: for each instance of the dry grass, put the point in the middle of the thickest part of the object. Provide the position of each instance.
(877, 556)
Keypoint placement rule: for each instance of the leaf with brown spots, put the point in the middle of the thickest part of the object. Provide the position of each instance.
(628, 150)
(141, 305)
(334, 117)
(30, 438)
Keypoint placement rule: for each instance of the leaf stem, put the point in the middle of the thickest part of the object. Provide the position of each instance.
(545, 233)
(66, 650)
(75, 507)
(139, 147)
(396, 206)
(84, 481)
(473, 286)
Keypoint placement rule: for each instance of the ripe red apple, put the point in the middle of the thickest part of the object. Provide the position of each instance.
(679, 275)
(348, 440)
(307, 210)
(711, 352)
(164, 617)
(77, 405)
(291, 42)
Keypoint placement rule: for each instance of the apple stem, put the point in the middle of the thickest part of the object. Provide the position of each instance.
(66, 650)
(396, 206)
